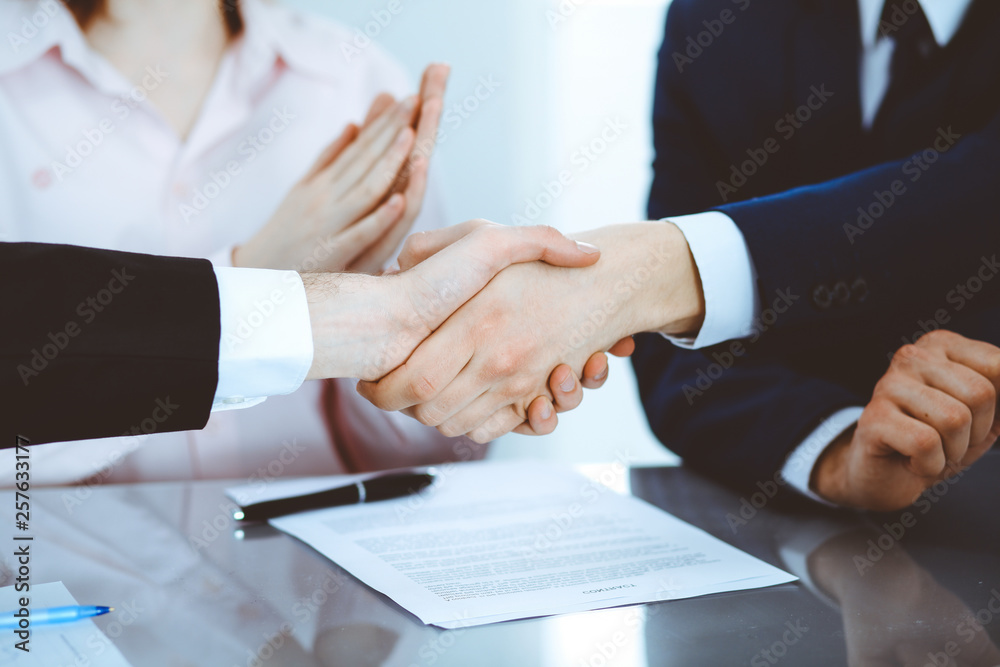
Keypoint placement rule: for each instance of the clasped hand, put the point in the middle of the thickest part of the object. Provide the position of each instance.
(488, 369)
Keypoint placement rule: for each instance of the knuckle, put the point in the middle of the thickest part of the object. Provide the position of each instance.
(908, 354)
(938, 337)
(483, 226)
(982, 393)
(480, 436)
(955, 418)
(992, 365)
(884, 388)
(375, 395)
(504, 363)
(423, 389)
(519, 387)
(925, 440)
(875, 412)
(450, 429)
(428, 415)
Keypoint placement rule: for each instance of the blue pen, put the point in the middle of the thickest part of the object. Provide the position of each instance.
(52, 615)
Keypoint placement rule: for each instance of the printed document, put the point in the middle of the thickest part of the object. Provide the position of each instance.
(492, 542)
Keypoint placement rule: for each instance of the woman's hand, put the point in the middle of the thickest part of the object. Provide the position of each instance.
(360, 198)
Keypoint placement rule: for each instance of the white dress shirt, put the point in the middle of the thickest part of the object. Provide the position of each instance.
(723, 258)
(88, 161)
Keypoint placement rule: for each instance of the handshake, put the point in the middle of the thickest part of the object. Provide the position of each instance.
(488, 329)
(485, 329)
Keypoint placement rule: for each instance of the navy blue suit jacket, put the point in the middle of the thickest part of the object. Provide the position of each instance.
(861, 239)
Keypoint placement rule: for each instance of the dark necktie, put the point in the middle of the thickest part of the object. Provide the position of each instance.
(916, 49)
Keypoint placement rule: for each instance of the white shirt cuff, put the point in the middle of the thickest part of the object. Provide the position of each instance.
(728, 278)
(798, 469)
(266, 348)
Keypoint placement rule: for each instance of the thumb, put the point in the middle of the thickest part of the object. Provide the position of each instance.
(556, 248)
(448, 278)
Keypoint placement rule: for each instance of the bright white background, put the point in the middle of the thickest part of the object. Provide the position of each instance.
(563, 76)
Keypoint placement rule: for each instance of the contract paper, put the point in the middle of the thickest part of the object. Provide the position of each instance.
(76, 643)
(491, 542)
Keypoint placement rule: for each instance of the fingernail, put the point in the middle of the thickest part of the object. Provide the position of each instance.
(403, 136)
(410, 103)
(603, 374)
(568, 384)
(587, 248)
(546, 411)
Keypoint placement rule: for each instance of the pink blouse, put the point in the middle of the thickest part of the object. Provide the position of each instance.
(87, 161)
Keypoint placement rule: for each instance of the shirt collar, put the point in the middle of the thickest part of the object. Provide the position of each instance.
(944, 16)
(274, 31)
(33, 28)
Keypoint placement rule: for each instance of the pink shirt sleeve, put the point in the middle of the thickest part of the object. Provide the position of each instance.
(368, 439)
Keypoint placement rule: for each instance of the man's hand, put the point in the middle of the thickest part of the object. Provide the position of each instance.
(931, 415)
(567, 389)
(365, 326)
(479, 373)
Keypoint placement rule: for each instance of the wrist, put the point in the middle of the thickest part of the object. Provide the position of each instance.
(363, 326)
(342, 326)
(829, 475)
(649, 273)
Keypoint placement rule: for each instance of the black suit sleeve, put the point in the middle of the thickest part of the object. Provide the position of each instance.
(99, 343)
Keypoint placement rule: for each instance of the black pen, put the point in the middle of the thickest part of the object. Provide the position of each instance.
(383, 487)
